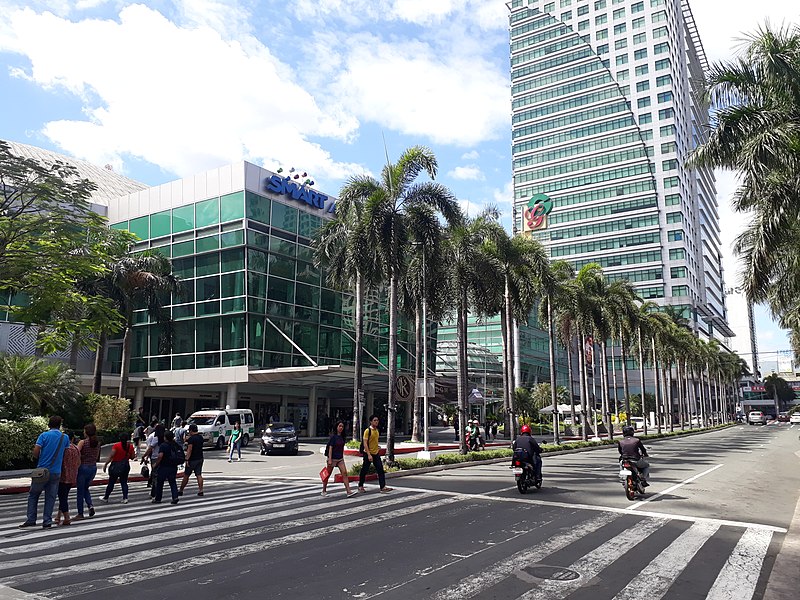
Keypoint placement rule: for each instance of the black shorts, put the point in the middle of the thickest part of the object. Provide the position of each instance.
(194, 466)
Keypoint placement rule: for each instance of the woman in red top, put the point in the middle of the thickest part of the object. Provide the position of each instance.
(121, 453)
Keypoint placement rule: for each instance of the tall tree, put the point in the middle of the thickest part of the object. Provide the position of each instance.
(387, 204)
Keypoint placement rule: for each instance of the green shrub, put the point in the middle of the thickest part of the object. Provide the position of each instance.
(110, 413)
(17, 440)
(353, 444)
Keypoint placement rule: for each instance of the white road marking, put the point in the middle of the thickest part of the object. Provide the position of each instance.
(655, 579)
(255, 547)
(738, 578)
(673, 488)
(591, 564)
(607, 509)
(478, 582)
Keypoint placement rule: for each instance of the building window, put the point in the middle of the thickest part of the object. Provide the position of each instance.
(622, 59)
(659, 16)
(642, 86)
(583, 10)
(642, 70)
(640, 38)
(664, 97)
(645, 118)
(620, 29)
(602, 49)
(643, 102)
(566, 16)
(680, 290)
(677, 254)
(549, 7)
(668, 147)
(622, 75)
(654, 3)
(666, 113)
(660, 32)
(647, 134)
(583, 25)
(599, 4)
(637, 7)
(602, 34)
(663, 80)
(672, 199)
(671, 182)
(661, 48)
(667, 130)
(600, 19)
(678, 272)
(640, 54)
(674, 217)
(619, 13)
(662, 64)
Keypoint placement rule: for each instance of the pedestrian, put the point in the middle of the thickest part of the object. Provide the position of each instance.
(49, 454)
(137, 436)
(89, 447)
(372, 454)
(235, 443)
(69, 477)
(180, 433)
(494, 430)
(169, 457)
(176, 422)
(334, 452)
(194, 460)
(151, 428)
(154, 440)
(121, 454)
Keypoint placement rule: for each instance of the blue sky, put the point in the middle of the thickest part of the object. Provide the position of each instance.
(164, 89)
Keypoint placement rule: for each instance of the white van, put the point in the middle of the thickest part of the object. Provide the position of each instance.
(216, 425)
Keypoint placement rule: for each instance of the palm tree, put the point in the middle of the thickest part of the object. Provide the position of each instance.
(588, 282)
(755, 100)
(387, 205)
(622, 298)
(142, 280)
(470, 269)
(32, 386)
(565, 303)
(342, 247)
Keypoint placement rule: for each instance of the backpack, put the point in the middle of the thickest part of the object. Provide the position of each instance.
(176, 455)
(361, 449)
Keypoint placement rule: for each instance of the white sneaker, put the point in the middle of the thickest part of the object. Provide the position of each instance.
(323, 493)
(124, 500)
(229, 460)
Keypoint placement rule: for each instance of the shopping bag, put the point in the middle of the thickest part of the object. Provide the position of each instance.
(324, 473)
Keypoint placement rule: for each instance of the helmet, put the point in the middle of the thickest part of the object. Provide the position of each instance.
(525, 429)
(627, 431)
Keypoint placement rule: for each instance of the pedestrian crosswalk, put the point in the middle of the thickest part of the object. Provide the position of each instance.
(426, 544)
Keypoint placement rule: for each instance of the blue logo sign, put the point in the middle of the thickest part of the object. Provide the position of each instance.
(286, 187)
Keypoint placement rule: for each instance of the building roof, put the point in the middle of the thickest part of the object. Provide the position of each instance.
(109, 184)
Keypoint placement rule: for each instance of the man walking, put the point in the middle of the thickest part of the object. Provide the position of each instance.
(194, 460)
(49, 454)
(372, 454)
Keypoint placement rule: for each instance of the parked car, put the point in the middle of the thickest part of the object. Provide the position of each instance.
(794, 418)
(279, 436)
(783, 417)
(756, 417)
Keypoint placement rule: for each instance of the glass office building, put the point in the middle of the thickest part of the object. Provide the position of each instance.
(606, 109)
(255, 325)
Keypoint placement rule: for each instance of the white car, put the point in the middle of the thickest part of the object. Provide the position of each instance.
(794, 418)
(756, 417)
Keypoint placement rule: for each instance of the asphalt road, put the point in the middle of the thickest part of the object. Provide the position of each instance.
(711, 526)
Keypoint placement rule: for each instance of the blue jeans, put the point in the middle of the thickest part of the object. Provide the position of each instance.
(86, 475)
(50, 489)
(236, 447)
(168, 474)
(122, 475)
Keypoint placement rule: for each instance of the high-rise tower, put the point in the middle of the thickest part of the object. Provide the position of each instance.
(607, 107)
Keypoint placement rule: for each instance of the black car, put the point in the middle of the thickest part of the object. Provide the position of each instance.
(279, 437)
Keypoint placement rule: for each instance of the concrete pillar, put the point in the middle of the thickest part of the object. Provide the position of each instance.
(312, 412)
(138, 399)
(284, 408)
(232, 395)
(369, 407)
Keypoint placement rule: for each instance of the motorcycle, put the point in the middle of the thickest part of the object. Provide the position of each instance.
(631, 481)
(524, 475)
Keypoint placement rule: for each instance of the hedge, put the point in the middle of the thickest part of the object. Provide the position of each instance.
(17, 439)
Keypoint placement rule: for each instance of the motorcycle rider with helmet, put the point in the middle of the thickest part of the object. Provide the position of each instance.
(631, 447)
(531, 451)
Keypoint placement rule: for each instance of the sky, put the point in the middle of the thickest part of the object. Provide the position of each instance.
(162, 89)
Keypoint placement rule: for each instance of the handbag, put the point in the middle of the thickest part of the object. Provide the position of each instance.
(324, 473)
(42, 474)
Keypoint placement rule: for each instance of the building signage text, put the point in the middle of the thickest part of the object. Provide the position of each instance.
(534, 215)
(286, 187)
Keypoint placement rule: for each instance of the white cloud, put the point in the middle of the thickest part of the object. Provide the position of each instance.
(470, 208)
(186, 100)
(504, 197)
(456, 98)
(471, 155)
(469, 172)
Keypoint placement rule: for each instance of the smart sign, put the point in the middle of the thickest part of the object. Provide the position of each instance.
(286, 187)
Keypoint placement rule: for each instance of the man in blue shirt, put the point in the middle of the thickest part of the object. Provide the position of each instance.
(49, 453)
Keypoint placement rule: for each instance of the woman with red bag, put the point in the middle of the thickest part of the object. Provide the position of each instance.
(334, 452)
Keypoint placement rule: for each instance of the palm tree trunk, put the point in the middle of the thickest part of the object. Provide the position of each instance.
(625, 389)
(614, 380)
(97, 377)
(584, 386)
(461, 373)
(551, 334)
(511, 348)
(641, 379)
(417, 372)
(391, 404)
(655, 385)
(74, 349)
(126, 361)
(506, 381)
(569, 374)
(668, 375)
(358, 365)
(703, 411)
(604, 390)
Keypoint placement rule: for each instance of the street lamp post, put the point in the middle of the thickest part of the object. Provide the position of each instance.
(425, 354)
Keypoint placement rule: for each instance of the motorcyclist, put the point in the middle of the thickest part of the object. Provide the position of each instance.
(529, 451)
(631, 447)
